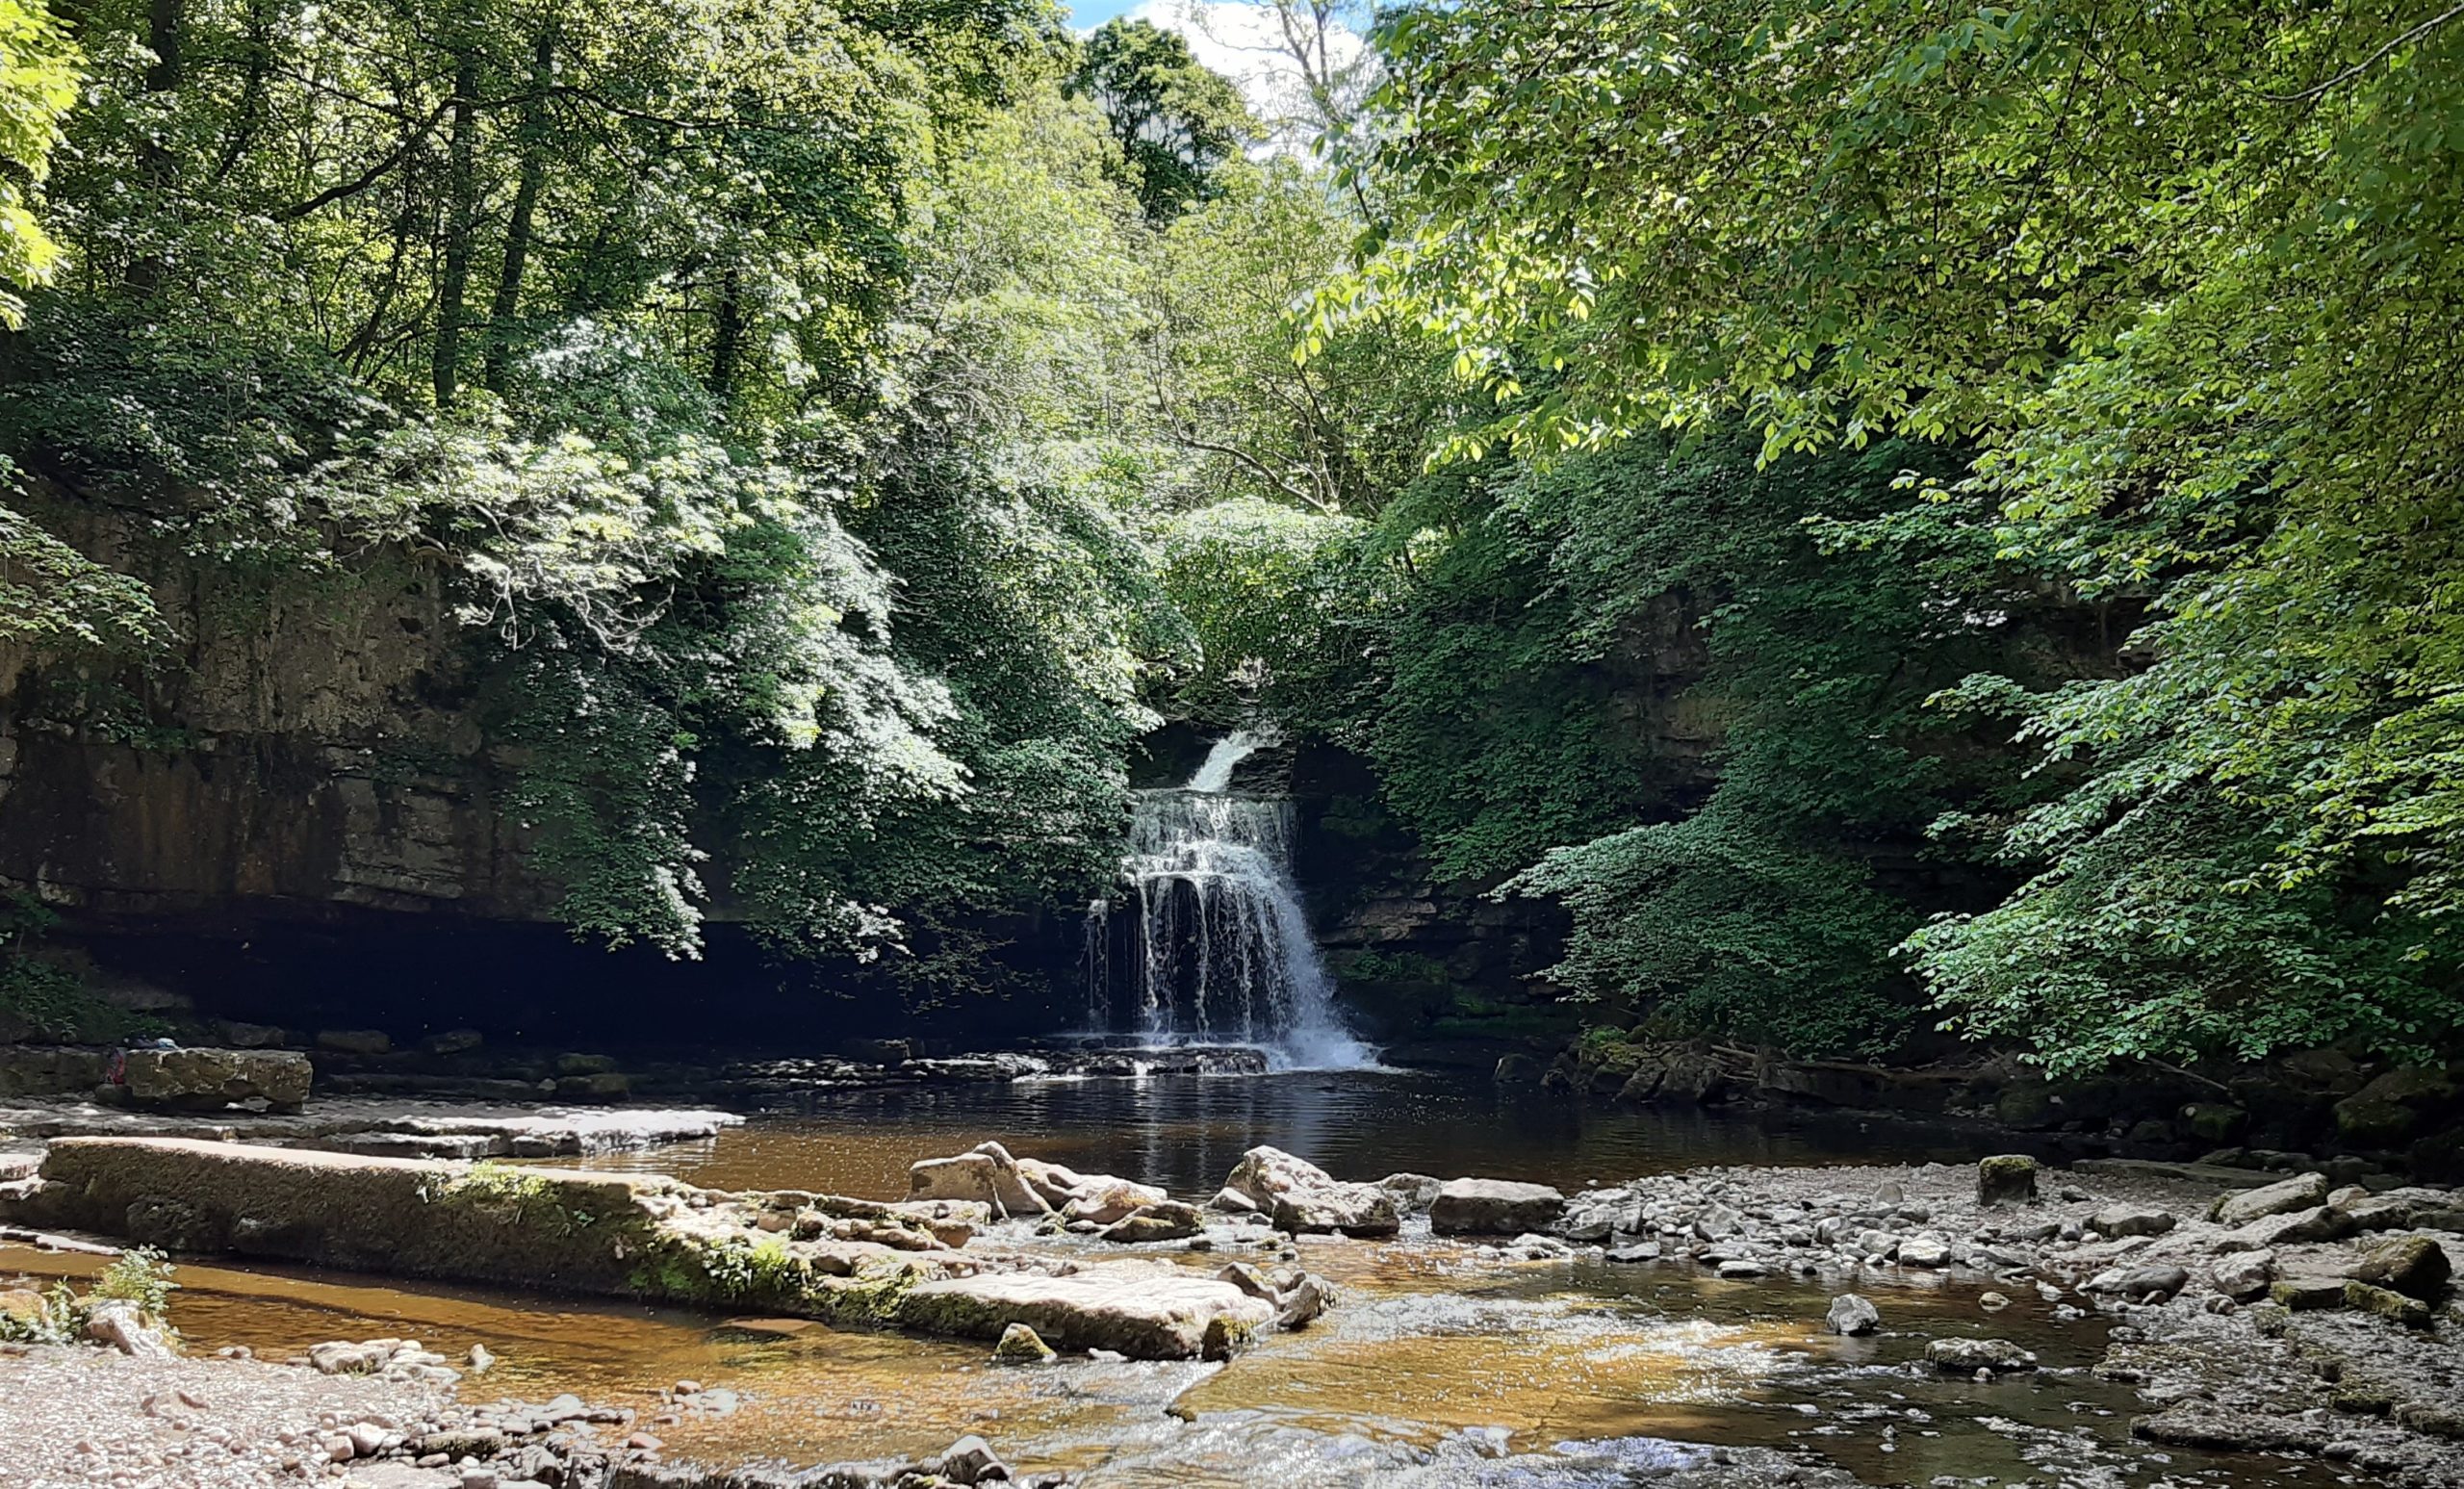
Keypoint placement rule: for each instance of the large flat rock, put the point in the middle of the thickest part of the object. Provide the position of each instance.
(1149, 1312)
(622, 1235)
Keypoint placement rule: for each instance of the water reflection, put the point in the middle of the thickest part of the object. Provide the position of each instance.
(1185, 1132)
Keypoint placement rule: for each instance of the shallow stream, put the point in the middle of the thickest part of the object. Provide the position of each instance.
(1435, 1362)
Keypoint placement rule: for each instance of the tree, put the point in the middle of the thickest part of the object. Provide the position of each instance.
(38, 84)
(1224, 342)
(1177, 122)
(2173, 270)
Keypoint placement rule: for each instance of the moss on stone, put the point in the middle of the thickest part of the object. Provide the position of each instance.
(2387, 1303)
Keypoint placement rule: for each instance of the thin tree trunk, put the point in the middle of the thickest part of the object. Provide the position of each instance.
(726, 339)
(525, 205)
(165, 22)
(462, 195)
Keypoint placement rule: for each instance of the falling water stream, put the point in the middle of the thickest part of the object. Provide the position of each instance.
(1207, 941)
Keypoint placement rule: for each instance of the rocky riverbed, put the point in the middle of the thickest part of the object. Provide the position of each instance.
(1484, 1330)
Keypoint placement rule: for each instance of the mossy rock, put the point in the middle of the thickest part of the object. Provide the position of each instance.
(2005, 1179)
(2217, 1122)
(1023, 1346)
(2308, 1294)
(2414, 1265)
(2386, 1303)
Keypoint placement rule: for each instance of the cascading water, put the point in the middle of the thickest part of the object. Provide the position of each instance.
(1207, 941)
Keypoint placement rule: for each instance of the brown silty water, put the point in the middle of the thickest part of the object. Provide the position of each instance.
(1440, 1366)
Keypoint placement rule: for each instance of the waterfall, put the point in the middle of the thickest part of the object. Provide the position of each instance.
(1207, 941)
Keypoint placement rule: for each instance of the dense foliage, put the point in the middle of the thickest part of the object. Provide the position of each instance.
(2185, 274)
(1893, 515)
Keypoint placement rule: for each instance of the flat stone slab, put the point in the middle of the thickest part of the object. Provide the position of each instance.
(2196, 1173)
(422, 1129)
(1157, 1312)
(624, 1235)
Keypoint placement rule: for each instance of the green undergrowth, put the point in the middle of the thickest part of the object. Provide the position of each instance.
(139, 1275)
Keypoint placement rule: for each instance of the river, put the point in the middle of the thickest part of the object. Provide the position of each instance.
(1436, 1359)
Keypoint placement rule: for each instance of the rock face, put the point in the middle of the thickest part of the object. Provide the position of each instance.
(206, 1079)
(1301, 1196)
(1494, 1207)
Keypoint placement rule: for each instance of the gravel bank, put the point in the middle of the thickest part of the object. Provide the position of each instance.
(73, 1415)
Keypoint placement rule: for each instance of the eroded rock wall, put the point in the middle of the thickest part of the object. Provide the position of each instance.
(308, 743)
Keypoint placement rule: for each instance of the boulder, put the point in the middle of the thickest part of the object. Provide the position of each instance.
(969, 1460)
(1166, 1220)
(354, 1041)
(2304, 1292)
(247, 1035)
(2321, 1222)
(1966, 1356)
(1598, 1214)
(2005, 1179)
(1851, 1313)
(453, 1042)
(1494, 1207)
(1157, 1312)
(1718, 1222)
(2377, 1212)
(2216, 1122)
(1347, 1208)
(1516, 1070)
(1297, 1305)
(986, 1174)
(117, 1322)
(1100, 1198)
(2114, 1222)
(208, 1079)
(2301, 1191)
(2139, 1284)
(2414, 1265)
(1302, 1197)
(2242, 1276)
(2390, 1111)
(2387, 1303)
(1924, 1251)
(1021, 1346)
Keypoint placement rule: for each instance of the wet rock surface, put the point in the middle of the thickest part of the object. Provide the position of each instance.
(2193, 1368)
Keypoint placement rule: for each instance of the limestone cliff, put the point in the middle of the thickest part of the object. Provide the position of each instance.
(304, 745)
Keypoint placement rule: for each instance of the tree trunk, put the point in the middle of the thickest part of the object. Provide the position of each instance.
(165, 22)
(726, 339)
(462, 195)
(525, 205)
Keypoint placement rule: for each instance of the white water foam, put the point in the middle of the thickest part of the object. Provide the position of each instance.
(1217, 946)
